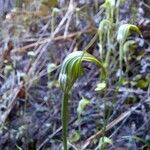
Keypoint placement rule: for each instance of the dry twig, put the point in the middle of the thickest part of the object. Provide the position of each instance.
(110, 125)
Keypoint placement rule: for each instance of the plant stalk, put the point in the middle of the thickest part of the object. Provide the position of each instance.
(65, 113)
(121, 62)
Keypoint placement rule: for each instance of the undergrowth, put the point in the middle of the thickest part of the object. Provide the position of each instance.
(113, 40)
(106, 56)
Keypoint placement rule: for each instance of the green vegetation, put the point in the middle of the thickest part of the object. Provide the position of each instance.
(110, 32)
(72, 69)
(74, 74)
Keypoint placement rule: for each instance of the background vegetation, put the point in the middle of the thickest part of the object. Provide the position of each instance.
(74, 74)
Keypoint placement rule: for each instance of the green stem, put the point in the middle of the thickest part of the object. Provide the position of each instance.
(101, 44)
(121, 62)
(65, 113)
(96, 5)
(107, 60)
(52, 22)
(117, 12)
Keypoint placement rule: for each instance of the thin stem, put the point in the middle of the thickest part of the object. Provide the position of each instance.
(65, 113)
(96, 5)
(121, 61)
(52, 22)
(101, 46)
(105, 116)
(109, 50)
(117, 12)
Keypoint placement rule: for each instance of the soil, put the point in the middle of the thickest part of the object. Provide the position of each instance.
(31, 118)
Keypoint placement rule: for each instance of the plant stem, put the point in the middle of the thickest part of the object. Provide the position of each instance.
(109, 49)
(52, 22)
(117, 12)
(65, 113)
(121, 61)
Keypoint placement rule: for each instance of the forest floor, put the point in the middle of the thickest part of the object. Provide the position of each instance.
(33, 45)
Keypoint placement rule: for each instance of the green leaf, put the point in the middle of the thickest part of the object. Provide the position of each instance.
(125, 30)
(104, 141)
(74, 137)
(141, 82)
(100, 86)
(82, 105)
